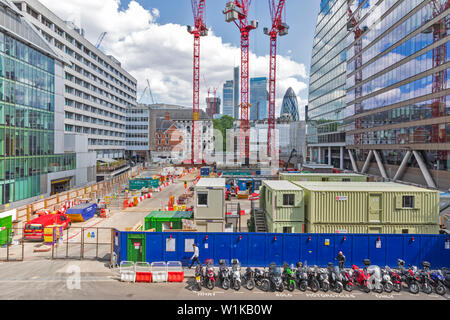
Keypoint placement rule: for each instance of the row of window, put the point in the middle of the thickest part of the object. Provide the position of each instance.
(104, 142)
(137, 127)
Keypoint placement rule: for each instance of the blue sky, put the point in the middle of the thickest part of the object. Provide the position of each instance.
(301, 17)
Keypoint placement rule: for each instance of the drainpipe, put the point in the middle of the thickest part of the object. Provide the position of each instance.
(424, 169)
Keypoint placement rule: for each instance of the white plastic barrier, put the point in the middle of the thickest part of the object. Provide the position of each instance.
(127, 271)
(159, 271)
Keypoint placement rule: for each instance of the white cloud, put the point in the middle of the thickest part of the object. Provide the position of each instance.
(163, 53)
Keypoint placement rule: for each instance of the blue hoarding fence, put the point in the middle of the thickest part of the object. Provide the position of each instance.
(261, 249)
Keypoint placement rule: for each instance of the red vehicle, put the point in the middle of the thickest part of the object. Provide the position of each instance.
(361, 278)
(34, 229)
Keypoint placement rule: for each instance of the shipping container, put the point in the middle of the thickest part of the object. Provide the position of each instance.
(82, 212)
(370, 207)
(209, 203)
(5, 230)
(324, 177)
(166, 220)
(282, 202)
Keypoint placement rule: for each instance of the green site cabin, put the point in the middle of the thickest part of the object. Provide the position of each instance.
(157, 219)
(6, 229)
(324, 177)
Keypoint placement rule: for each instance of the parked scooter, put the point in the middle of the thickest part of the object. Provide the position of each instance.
(347, 279)
(248, 279)
(386, 281)
(275, 280)
(446, 274)
(236, 274)
(334, 276)
(261, 280)
(301, 277)
(361, 278)
(425, 278)
(409, 276)
(437, 282)
(199, 276)
(395, 278)
(210, 276)
(322, 278)
(224, 275)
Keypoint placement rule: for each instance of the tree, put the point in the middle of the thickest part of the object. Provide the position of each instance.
(222, 124)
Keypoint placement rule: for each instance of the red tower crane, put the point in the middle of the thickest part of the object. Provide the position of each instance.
(199, 30)
(281, 28)
(236, 11)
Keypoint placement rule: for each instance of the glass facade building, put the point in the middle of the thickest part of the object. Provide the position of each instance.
(397, 90)
(228, 102)
(290, 105)
(326, 129)
(258, 98)
(27, 105)
(236, 93)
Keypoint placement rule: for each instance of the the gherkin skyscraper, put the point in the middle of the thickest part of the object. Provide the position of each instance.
(290, 104)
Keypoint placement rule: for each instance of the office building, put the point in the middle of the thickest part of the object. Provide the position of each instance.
(290, 105)
(397, 91)
(236, 93)
(36, 158)
(258, 98)
(137, 133)
(212, 106)
(326, 110)
(97, 89)
(228, 101)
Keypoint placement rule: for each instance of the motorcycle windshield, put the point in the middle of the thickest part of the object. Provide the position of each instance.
(277, 272)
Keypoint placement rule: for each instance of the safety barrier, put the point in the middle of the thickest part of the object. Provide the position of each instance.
(127, 271)
(175, 271)
(260, 249)
(159, 271)
(143, 272)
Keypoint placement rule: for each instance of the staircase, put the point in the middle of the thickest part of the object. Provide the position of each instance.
(260, 221)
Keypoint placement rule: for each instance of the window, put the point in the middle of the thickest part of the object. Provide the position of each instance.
(346, 180)
(202, 198)
(408, 202)
(405, 231)
(288, 199)
(325, 179)
(287, 229)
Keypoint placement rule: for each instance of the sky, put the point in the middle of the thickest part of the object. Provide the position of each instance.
(150, 39)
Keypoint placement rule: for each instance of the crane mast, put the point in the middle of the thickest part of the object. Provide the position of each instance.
(236, 11)
(199, 30)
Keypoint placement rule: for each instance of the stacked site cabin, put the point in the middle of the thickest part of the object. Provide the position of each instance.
(324, 177)
(374, 207)
(209, 204)
(282, 203)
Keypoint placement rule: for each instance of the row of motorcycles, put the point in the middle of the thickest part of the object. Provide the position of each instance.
(290, 277)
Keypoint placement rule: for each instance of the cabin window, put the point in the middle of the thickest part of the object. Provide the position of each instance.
(288, 199)
(408, 202)
(202, 199)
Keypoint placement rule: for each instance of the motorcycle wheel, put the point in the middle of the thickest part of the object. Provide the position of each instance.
(397, 287)
(226, 284)
(440, 290)
(210, 284)
(291, 287)
(379, 289)
(303, 286)
(258, 283)
(236, 285)
(265, 285)
(366, 289)
(250, 284)
(281, 288)
(427, 289)
(388, 287)
(314, 286)
(272, 287)
(414, 288)
(348, 287)
(325, 287)
(199, 287)
(338, 287)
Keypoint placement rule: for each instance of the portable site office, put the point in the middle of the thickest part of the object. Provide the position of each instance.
(372, 207)
(282, 203)
(209, 204)
(5, 230)
(166, 220)
(324, 177)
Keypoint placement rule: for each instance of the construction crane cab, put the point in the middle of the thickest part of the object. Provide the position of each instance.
(233, 12)
(283, 29)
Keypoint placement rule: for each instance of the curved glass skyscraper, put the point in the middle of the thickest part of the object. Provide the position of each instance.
(290, 105)
(326, 136)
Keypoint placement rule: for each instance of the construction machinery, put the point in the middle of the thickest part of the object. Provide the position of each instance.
(198, 30)
(100, 39)
(279, 27)
(236, 11)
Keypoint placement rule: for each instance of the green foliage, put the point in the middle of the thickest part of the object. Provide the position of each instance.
(222, 124)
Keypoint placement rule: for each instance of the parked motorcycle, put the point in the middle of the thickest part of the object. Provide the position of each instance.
(275, 280)
(289, 277)
(224, 275)
(301, 277)
(210, 276)
(236, 274)
(395, 278)
(199, 276)
(347, 280)
(425, 278)
(360, 278)
(409, 276)
(334, 276)
(374, 276)
(322, 278)
(446, 274)
(437, 282)
(261, 280)
(386, 281)
(248, 279)
(313, 275)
